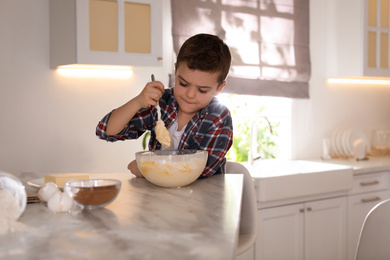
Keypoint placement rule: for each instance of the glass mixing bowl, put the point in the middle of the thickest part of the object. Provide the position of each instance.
(171, 168)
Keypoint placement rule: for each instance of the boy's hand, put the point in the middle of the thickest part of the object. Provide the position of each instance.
(121, 116)
(151, 93)
(134, 169)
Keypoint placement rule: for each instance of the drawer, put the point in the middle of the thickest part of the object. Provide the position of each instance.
(358, 207)
(370, 199)
(370, 182)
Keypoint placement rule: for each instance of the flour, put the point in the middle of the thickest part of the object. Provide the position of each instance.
(9, 213)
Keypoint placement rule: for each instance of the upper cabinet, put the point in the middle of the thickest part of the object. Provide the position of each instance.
(376, 37)
(358, 39)
(106, 32)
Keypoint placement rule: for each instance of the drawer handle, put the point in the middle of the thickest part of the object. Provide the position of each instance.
(369, 183)
(371, 199)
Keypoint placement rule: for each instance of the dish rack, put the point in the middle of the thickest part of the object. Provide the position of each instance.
(349, 144)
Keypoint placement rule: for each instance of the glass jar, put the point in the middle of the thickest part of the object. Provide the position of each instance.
(380, 142)
(15, 187)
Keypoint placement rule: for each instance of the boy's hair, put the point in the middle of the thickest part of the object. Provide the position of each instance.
(206, 52)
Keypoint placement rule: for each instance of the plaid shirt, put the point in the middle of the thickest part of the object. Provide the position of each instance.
(211, 129)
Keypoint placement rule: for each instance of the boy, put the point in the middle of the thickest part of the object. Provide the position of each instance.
(194, 118)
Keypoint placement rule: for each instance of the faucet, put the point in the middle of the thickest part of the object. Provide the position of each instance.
(253, 145)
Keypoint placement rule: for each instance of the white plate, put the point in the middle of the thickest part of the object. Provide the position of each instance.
(334, 144)
(346, 146)
(342, 144)
(36, 183)
(39, 183)
(339, 137)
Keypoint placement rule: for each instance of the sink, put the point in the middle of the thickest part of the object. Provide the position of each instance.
(287, 179)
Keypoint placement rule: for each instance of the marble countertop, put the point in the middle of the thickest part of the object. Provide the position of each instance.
(199, 221)
(372, 164)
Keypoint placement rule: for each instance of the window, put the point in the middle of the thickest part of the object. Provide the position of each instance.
(269, 42)
(251, 113)
(268, 39)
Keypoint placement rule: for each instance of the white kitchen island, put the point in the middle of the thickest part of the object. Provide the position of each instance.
(199, 221)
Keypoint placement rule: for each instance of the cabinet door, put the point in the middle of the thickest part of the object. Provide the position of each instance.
(358, 208)
(138, 40)
(280, 234)
(247, 255)
(326, 229)
(106, 32)
(376, 38)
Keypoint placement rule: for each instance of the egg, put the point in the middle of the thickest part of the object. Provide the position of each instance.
(60, 202)
(47, 191)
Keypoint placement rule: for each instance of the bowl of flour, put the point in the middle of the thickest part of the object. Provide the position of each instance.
(13, 198)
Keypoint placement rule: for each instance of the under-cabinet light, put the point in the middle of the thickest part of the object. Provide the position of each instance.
(368, 81)
(95, 71)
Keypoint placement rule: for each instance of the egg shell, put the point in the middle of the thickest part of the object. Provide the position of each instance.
(47, 191)
(60, 202)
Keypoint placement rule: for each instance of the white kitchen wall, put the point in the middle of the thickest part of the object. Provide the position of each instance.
(331, 107)
(48, 122)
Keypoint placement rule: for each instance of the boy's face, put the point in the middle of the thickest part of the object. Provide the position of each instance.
(194, 89)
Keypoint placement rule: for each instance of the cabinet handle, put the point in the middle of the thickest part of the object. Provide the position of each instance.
(302, 210)
(309, 209)
(371, 199)
(369, 183)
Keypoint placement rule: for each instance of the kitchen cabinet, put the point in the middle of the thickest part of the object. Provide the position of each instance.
(106, 32)
(247, 255)
(280, 234)
(310, 230)
(318, 226)
(368, 190)
(358, 39)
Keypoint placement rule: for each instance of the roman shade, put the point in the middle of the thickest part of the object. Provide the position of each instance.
(268, 40)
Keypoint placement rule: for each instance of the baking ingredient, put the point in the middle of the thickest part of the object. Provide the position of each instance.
(60, 202)
(47, 191)
(9, 213)
(9, 207)
(57, 201)
(61, 178)
(171, 168)
(95, 195)
(162, 134)
(16, 188)
(171, 174)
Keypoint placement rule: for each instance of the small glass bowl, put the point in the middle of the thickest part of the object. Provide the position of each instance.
(94, 193)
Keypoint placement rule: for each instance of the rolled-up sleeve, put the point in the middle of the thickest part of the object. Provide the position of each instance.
(134, 129)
